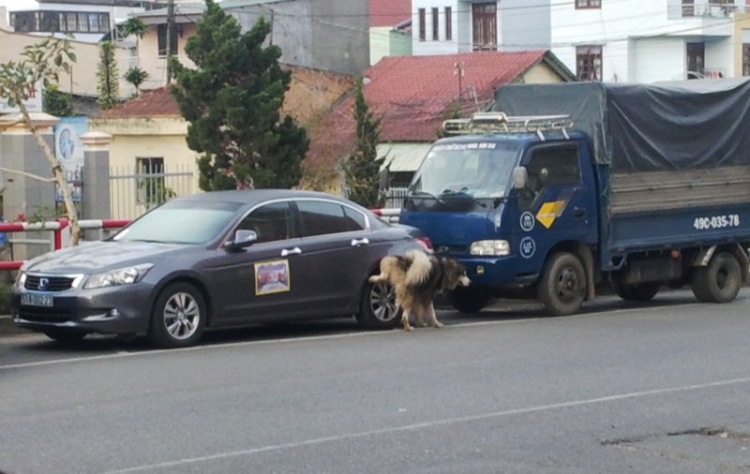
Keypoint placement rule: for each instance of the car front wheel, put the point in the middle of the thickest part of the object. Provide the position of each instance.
(378, 309)
(178, 317)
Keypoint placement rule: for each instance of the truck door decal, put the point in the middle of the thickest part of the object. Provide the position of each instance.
(554, 209)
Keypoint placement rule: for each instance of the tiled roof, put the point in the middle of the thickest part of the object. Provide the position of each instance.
(310, 94)
(154, 103)
(414, 94)
(389, 12)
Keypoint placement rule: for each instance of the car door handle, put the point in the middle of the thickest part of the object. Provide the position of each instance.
(579, 213)
(294, 251)
(362, 241)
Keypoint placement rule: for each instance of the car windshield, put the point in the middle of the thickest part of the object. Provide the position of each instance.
(185, 222)
(475, 169)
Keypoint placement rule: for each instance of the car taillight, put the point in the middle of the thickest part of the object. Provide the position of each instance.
(425, 242)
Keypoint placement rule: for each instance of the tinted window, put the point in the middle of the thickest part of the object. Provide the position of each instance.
(185, 222)
(319, 218)
(270, 222)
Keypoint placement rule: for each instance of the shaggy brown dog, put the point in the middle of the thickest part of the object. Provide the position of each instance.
(417, 277)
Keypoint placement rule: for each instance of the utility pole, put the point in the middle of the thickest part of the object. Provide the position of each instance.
(170, 37)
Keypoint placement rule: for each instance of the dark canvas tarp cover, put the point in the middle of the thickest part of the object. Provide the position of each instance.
(635, 127)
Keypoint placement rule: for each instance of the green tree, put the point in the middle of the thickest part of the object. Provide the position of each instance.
(134, 26)
(136, 76)
(56, 102)
(41, 62)
(233, 101)
(108, 75)
(362, 168)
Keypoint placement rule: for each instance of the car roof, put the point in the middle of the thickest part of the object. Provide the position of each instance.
(252, 196)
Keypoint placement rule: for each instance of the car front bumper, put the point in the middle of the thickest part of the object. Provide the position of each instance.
(113, 310)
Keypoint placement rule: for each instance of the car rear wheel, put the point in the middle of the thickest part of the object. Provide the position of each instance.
(179, 316)
(65, 335)
(378, 309)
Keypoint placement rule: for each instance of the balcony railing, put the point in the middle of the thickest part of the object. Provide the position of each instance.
(703, 9)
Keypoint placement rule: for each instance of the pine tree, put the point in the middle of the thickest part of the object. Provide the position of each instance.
(362, 168)
(233, 101)
(109, 85)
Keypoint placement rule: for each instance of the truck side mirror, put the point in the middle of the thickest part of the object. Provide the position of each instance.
(520, 177)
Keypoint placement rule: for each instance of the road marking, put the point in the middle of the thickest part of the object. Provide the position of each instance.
(123, 354)
(432, 424)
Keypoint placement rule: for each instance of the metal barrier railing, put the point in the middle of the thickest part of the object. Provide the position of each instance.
(60, 233)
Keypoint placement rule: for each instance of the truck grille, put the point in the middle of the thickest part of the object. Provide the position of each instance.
(34, 282)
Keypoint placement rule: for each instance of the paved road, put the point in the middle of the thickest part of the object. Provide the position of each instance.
(660, 388)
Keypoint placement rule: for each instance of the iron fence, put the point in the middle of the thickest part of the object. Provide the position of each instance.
(133, 193)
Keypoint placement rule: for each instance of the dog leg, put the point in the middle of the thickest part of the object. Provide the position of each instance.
(433, 318)
(405, 321)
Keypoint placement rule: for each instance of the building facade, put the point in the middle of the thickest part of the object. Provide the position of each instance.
(462, 26)
(86, 20)
(647, 41)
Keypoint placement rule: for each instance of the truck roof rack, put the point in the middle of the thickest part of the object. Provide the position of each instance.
(494, 122)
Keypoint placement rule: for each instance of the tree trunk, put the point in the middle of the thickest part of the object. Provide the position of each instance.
(70, 208)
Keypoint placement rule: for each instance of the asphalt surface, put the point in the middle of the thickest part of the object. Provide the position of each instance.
(656, 388)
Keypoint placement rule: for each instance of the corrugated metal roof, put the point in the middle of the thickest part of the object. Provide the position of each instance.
(403, 156)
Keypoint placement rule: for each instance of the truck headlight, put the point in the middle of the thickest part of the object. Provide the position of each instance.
(490, 247)
(121, 276)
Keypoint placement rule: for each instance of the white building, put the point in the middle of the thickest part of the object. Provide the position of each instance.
(86, 20)
(461, 26)
(651, 40)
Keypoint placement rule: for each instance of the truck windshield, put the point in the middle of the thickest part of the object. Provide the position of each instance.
(469, 169)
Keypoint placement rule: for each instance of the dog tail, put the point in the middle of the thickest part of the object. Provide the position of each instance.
(419, 270)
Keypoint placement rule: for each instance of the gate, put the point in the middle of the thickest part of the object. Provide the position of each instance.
(132, 193)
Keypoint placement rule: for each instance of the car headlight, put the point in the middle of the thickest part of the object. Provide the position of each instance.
(490, 247)
(121, 276)
(21, 278)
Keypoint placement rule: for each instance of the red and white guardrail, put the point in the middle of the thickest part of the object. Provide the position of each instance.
(60, 232)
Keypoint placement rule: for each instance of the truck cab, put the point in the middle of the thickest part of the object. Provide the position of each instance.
(501, 196)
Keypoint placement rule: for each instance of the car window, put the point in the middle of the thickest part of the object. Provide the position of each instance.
(181, 222)
(321, 217)
(271, 222)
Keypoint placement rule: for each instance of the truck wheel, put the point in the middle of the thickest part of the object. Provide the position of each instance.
(637, 291)
(719, 281)
(467, 300)
(562, 287)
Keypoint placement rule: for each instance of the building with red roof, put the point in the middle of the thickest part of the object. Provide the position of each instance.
(390, 29)
(415, 94)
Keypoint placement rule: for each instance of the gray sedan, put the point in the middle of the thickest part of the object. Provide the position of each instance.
(216, 260)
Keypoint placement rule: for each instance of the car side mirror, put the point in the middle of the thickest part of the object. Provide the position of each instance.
(242, 239)
(520, 177)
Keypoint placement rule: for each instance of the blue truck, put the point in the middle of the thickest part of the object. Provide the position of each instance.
(565, 187)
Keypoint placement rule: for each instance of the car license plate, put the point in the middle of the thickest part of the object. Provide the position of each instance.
(30, 299)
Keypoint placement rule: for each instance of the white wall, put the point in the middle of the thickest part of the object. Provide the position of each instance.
(430, 45)
(642, 40)
(659, 59)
